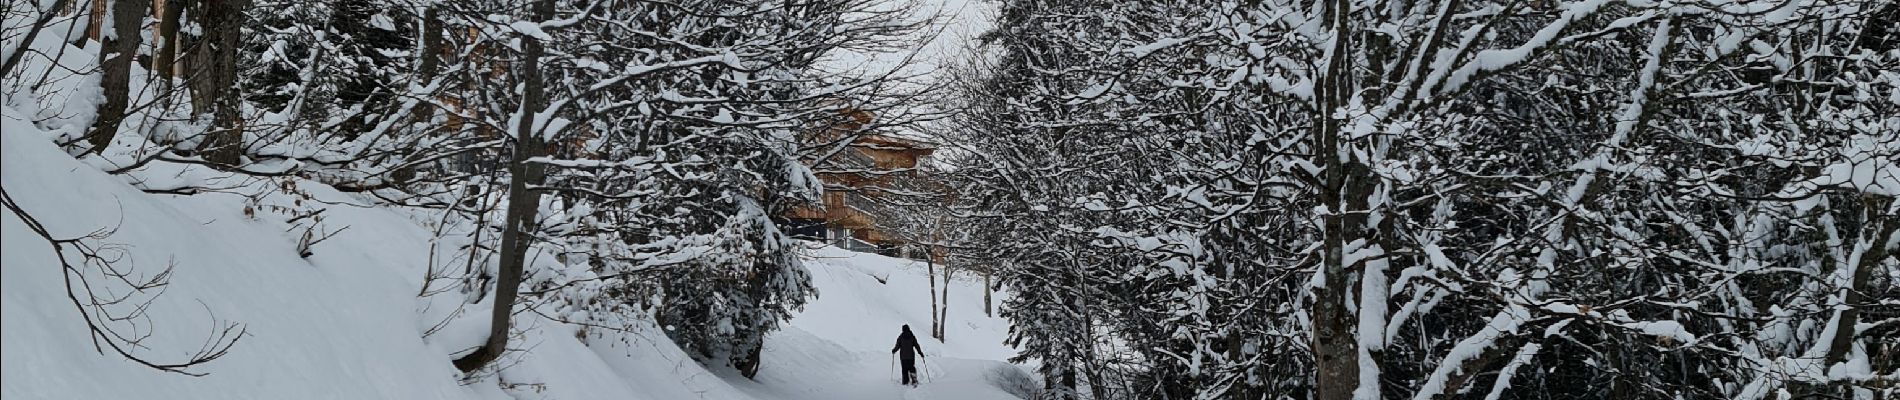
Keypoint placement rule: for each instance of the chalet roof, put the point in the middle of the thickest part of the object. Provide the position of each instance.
(856, 121)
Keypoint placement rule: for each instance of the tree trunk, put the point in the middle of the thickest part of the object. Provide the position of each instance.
(165, 57)
(1880, 230)
(930, 274)
(96, 21)
(987, 309)
(748, 366)
(1335, 349)
(431, 44)
(431, 65)
(1068, 382)
(1090, 365)
(758, 285)
(943, 313)
(116, 60)
(213, 73)
(522, 203)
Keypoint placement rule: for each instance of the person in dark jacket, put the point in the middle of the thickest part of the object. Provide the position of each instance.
(907, 344)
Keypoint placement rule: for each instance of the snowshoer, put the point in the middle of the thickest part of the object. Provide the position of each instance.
(908, 351)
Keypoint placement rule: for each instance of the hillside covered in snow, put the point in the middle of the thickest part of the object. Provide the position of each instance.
(346, 322)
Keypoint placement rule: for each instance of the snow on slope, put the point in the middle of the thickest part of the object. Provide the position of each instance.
(346, 323)
(340, 325)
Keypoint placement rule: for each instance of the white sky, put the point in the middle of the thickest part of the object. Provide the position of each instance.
(958, 23)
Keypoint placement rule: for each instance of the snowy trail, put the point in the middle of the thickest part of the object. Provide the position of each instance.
(871, 375)
(839, 346)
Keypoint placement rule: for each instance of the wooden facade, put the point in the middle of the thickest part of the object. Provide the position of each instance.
(868, 165)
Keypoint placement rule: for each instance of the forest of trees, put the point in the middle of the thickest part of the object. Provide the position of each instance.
(646, 145)
(1186, 199)
(1442, 199)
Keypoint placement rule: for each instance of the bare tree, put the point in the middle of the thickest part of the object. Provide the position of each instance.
(523, 202)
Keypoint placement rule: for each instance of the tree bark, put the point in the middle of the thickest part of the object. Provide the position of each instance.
(430, 66)
(116, 60)
(748, 366)
(930, 274)
(1068, 383)
(165, 58)
(987, 309)
(758, 285)
(1880, 228)
(943, 313)
(431, 44)
(213, 73)
(1090, 364)
(522, 203)
(1335, 349)
(96, 21)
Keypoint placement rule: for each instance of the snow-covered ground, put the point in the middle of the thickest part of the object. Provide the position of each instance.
(347, 323)
(839, 347)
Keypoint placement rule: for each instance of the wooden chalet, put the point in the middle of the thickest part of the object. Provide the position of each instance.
(867, 167)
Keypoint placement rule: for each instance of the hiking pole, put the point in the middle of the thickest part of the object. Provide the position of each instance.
(926, 361)
(894, 367)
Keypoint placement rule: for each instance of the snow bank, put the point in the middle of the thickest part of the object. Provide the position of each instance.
(338, 325)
